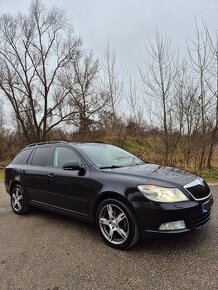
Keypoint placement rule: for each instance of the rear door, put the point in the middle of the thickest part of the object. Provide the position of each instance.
(35, 175)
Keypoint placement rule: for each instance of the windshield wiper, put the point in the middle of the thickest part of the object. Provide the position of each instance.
(110, 167)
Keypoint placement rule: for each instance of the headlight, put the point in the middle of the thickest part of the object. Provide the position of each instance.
(162, 194)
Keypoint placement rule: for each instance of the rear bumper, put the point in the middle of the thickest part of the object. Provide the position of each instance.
(7, 186)
(150, 215)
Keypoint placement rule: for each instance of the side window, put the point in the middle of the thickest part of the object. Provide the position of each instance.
(62, 155)
(41, 156)
(22, 157)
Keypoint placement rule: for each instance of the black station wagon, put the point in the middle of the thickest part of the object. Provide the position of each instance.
(126, 197)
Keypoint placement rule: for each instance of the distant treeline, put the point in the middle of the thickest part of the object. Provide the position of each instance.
(56, 89)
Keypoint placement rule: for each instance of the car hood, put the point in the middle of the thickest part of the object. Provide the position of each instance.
(156, 172)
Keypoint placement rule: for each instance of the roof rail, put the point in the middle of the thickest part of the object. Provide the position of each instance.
(46, 142)
(97, 141)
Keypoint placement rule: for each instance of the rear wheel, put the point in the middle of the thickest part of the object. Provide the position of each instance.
(117, 224)
(19, 200)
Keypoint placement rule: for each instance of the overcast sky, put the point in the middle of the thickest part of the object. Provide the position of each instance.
(128, 23)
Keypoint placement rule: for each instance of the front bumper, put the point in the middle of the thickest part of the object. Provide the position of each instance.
(150, 215)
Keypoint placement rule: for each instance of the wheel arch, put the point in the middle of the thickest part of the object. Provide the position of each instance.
(13, 184)
(110, 195)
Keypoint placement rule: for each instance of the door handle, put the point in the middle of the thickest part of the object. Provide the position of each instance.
(50, 175)
(23, 172)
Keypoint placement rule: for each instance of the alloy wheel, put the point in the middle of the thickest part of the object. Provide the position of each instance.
(17, 199)
(114, 224)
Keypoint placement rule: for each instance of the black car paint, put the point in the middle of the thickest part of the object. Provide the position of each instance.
(77, 193)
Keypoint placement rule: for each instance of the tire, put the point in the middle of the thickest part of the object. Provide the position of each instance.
(19, 200)
(117, 224)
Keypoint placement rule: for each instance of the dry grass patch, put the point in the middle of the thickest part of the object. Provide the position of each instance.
(1, 175)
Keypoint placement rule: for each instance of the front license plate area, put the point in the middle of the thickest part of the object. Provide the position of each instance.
(206, 206)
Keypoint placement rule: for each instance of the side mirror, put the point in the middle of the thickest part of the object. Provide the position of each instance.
(73, 165)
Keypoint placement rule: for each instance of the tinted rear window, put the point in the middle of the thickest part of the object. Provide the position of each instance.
(22, 157)
(41, 156)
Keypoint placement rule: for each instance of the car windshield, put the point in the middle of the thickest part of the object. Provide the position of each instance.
(109, 156)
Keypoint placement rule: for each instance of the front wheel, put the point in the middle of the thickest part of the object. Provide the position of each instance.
(117, 224)
(19, 200)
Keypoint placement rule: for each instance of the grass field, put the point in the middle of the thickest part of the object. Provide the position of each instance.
(1, 175)
(211, 176)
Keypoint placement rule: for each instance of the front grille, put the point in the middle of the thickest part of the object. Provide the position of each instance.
(199, 191)
(201, 220)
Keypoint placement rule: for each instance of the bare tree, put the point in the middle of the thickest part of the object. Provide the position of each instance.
(213, 87)
(86, 98)
(112, 83)
(200, 56)
(33, 50)
(158, 76)
(1, 117)
(135, 103)
(188, 114)
(3, 144)
(136, 122)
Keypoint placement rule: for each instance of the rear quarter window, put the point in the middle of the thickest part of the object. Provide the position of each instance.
(41, 156)
(22, 157)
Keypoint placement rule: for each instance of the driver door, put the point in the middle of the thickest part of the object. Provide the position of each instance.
(69, 189)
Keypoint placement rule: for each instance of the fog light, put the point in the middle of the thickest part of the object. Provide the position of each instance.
(177, 225)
